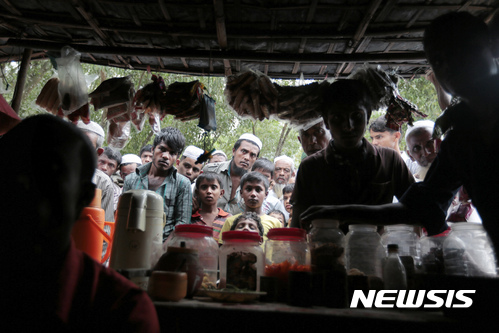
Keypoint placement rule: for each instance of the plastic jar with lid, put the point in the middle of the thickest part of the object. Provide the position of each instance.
(432, 255)
(363, 249)
(286, 250)
(327, 244)
(199, 237)
(241, 260)
(468, 251)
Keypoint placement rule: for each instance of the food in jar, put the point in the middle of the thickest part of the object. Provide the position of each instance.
(241, 270)
(282, 269)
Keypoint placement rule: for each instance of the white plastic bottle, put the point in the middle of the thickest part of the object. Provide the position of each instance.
(394, 275)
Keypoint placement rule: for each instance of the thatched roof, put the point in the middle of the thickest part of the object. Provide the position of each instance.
(283, 39)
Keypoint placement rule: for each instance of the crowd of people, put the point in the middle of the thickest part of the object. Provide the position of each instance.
(343, 176)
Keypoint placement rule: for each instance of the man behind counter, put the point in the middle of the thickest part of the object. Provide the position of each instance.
(350, 170)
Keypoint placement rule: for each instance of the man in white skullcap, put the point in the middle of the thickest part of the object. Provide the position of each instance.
(96, 135)
(314, 136)
(244, 154)
(421, 146)
(284, 169)
(218, 156)
(129, 163)
(187, 165)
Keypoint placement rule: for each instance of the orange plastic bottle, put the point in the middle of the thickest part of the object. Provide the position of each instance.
(88, 232)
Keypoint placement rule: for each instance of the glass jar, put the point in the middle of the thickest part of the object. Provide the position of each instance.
(468, 251)
(241, 260)
(286, 250)
(182, 259)
(327, 244)
(363, 250)
(432, 255)
(199, 237)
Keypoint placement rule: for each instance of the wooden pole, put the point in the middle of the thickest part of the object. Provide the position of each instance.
(21, 80)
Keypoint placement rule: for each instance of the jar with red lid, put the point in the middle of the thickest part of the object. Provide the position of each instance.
(200, 238)
(286, 250)
(241, 260)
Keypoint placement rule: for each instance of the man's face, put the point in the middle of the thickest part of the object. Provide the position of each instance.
(385, 139)
(247, 225)
(163, 157)
(447, 63)
(282, 172)
(314, 139)
(245, 155)
(421, 147)
(127, 169)
(187, 166)
(107, 165)
(209, 192)
(146, 157)
(253, 194)
(347, 124)
(286, 197)
(218, 158)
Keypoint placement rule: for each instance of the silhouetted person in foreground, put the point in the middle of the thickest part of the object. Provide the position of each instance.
(46, 283)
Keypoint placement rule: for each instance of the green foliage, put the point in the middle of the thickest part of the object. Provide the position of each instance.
(421, 92)
(229, 125)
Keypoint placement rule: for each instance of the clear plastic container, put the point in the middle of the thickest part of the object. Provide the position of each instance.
(286, 250)
(468, 251)
(363, 250)
(327, 244)
(241, 260)
(432, 255)
(199, 237)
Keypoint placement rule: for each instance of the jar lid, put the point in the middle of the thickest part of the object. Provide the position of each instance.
(194, 229)
(326, 223)
(239, 235)
(287, 234)
(399, 227)
(466, 226)
(362, 227)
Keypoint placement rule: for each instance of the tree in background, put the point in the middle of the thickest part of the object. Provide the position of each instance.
(278, 138)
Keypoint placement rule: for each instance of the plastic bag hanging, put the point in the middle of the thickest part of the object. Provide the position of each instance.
(208, 120)
(72, 86)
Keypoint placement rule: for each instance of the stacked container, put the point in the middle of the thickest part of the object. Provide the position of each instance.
(468, 251)
(364, 250)
(241, 260)
(200, 238)
(286, 250)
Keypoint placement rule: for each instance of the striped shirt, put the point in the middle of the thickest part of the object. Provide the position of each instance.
(218, 223)
(175, 191)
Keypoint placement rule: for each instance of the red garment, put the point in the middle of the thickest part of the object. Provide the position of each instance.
(86, 297)
(218, 223)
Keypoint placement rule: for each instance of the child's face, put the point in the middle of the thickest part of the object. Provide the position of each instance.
(279, 217)
(253, 194)
(209, 192)
(247, 225)
(286, 197)
(265, 173)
